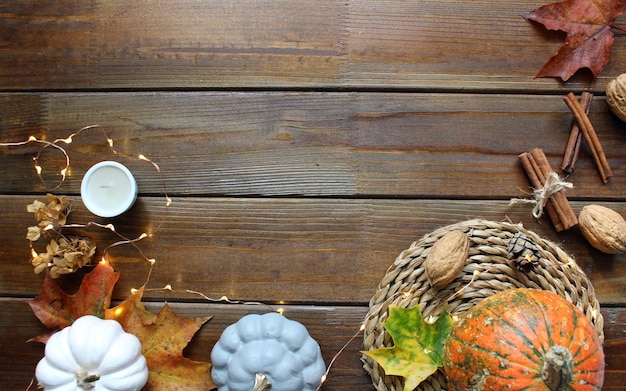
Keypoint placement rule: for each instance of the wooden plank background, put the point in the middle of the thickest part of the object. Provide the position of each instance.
(304, 145)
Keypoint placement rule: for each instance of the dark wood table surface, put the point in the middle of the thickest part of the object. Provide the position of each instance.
(304, 145)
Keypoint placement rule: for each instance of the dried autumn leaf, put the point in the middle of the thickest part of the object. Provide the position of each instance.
(56, 309)
(163, 337)
(589, 34)
(418, 345)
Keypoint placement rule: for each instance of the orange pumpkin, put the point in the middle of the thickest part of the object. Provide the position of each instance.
(524, 339)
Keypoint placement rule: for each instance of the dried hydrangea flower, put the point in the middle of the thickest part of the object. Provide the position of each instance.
(33, 234)
(49, 216)
(63, 255)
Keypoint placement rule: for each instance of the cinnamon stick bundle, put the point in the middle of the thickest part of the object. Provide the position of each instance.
(590, 136)
(558, 208)
(570, 156)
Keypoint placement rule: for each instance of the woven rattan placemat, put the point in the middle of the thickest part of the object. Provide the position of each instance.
(488, 270)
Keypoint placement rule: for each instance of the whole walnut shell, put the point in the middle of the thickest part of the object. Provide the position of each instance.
(616, 96)
(604, 228)
(446, 258)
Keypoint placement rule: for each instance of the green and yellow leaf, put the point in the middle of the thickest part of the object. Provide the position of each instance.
(418, 345)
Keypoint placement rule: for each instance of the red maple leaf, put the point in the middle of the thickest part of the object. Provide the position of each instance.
(56, 309)
(588, 24)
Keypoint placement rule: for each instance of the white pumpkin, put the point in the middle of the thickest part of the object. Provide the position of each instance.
(269, 346)
(92, 354)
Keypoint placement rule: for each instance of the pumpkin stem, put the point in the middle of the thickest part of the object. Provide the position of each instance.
(86, 381)
(558, 368)
(261, 383)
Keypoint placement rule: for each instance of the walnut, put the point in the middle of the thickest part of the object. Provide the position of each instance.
(616, 96)
(604, 228)
(446, 258)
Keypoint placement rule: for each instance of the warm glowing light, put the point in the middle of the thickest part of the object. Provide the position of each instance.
(168, 201)
(110, 141)
(33, 253)
(67, 140)
(48, 227)
(142, 236)
(224, 298)
(103, 261)
(280, 310)
(63, 172)
(32, 138)
(152, 261)
(118, 311)
(110, 226)
(323, 379)
(142, 157)
(133, 291)
(362, 327)
(38, 169)
(528, 257)
(167, 287)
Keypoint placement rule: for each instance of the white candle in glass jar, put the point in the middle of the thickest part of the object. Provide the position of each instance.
(108, 189)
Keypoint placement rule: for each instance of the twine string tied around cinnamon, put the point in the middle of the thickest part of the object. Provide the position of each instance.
(553, 185)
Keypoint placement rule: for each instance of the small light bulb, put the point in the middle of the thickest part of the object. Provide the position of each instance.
(118, 311)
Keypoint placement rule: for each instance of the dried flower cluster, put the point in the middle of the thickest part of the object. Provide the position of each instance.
(63, 255)
(51, 216)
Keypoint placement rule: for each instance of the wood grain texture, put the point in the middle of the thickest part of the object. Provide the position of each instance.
(444, 45)
(309, 144)
(293, 250)
(304, 146)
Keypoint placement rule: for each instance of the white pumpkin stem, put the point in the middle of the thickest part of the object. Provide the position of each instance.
(261, 383)
(558, 368)
(86, 381)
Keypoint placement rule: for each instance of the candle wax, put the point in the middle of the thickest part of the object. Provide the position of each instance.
(109, 188)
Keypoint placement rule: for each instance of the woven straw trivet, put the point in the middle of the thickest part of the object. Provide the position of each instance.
(405, 284)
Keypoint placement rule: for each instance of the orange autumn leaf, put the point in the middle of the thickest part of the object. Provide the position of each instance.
(57, 309)
(588, 24)
(163, 337)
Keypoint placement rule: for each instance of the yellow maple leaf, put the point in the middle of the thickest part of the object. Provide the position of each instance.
(163, 337)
